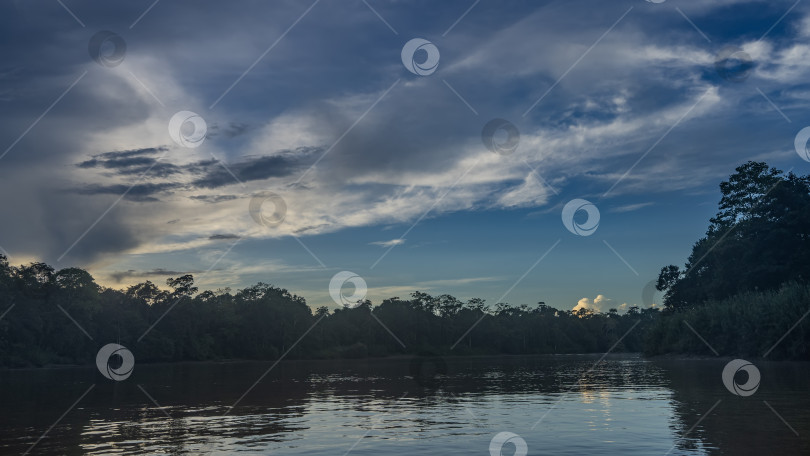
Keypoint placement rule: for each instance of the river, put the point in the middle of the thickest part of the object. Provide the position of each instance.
(535, 405)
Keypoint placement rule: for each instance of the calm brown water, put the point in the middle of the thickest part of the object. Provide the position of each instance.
(625, 406)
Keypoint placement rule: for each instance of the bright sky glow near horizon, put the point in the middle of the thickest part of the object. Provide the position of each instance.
(404, 192)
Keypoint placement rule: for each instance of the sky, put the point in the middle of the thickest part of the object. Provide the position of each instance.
(517, 151)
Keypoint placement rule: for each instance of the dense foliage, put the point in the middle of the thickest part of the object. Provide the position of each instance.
(745, 284)
(750, 324)
(759, 240)
(264, 322)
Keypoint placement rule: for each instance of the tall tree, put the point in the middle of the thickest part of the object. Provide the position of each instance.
(758, 240)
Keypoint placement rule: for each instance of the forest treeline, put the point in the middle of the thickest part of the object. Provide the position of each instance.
(263, 322)
(745, 285)
(752, 324)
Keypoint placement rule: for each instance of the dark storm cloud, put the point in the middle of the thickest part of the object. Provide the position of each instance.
(213, 198)
(132, 162)
(53, 98)
(153, 170)
(209, 174)
(216, 175)
(222, 237)
(121, 154)
(66, 232)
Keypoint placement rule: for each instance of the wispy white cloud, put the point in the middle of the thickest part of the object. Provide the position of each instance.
(390, 243)
(630, 207)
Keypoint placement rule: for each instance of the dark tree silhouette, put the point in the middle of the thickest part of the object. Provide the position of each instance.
(263, 322)
(759, 240)
(746, 284)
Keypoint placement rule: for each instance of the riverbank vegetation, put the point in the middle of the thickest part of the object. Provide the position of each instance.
(744, 288)
(63, 317)
(753, 324)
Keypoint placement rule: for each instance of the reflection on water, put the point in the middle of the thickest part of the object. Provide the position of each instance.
(626, 405)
